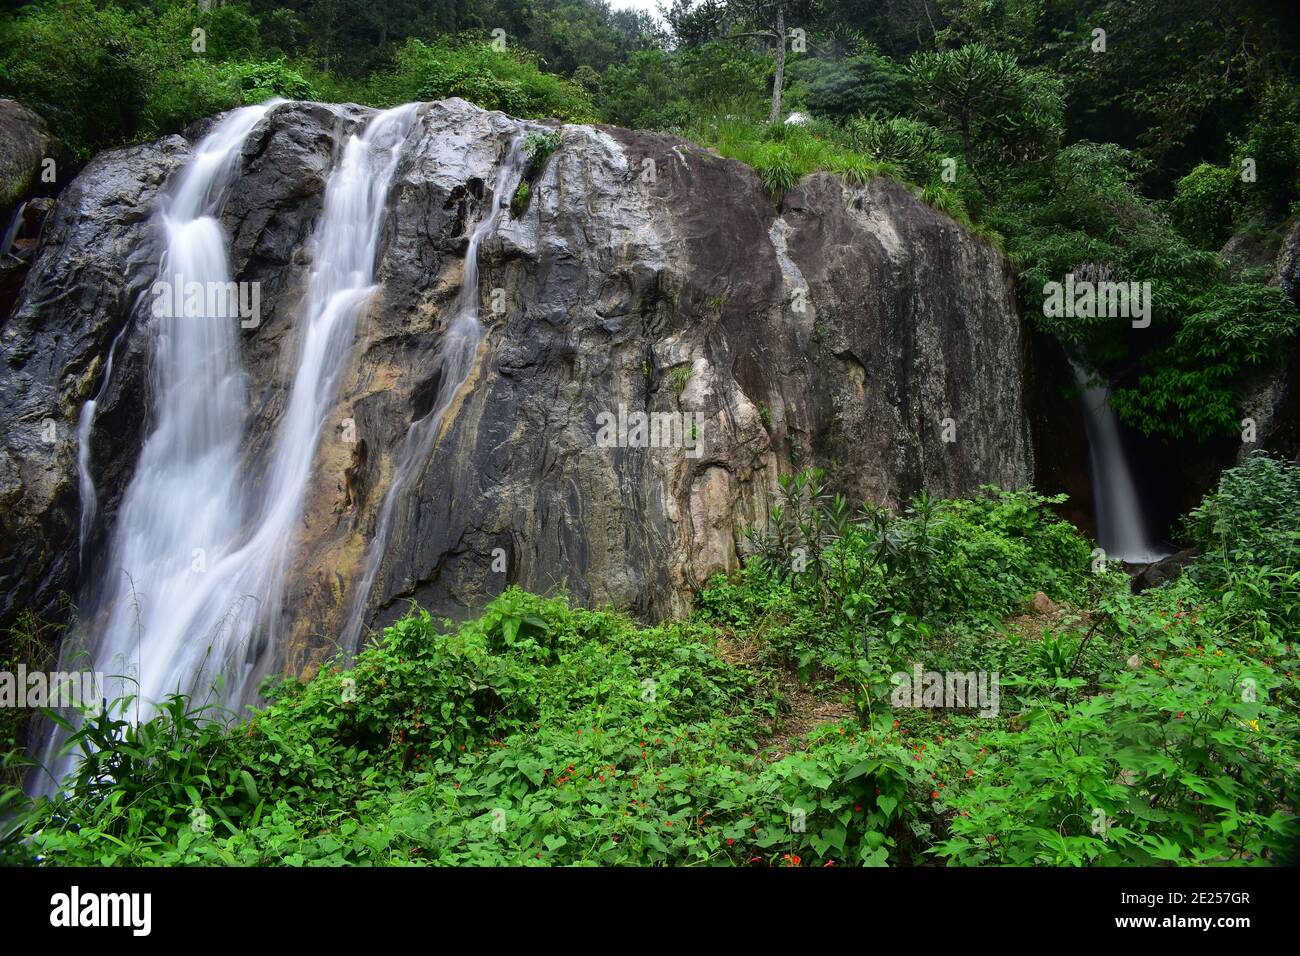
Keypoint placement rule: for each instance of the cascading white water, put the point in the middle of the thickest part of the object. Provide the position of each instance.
(239, 596)
(455, 359)
(201, 545)
(85, 479)
(184, 505)
(14, 227)
(1121, 527)
(184, 495)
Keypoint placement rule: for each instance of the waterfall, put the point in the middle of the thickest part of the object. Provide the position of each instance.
(85, 479)
(15, 226)
(1121, 527)
(455, 359)
(195, 573)
(184, 504)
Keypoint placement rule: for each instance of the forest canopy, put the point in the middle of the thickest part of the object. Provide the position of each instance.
(1114, 138)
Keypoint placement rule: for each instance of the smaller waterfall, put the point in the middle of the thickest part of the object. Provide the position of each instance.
(15, 226)
(1121, 527)
(85, 426)
(455, 359)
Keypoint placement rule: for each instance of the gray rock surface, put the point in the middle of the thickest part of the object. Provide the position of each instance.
(838, 328)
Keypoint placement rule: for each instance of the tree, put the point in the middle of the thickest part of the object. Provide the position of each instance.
(989, 101)
(768, 19)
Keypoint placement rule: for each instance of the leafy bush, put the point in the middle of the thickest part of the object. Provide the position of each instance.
(915, 147)
(262, 81)
(864, 85)
(507, 80)
(644, 93)
(1273, 143)
(1192, 385)
(78, 67)
(542, 734)
(1252, 517)
(1205, 205)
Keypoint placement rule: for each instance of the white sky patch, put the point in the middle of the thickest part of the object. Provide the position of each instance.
(646, 6)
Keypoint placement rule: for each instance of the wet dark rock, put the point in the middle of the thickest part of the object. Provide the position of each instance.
(1163, 571)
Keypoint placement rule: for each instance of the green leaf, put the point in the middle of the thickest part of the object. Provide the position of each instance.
(865, 767)
(250, 787)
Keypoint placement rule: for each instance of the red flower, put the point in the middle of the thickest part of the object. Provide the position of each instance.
(730, 841)
(857, 807)
(934, 794)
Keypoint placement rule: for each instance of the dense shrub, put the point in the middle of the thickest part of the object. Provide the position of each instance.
(863, 85)
(1272, 142)
(1205, 205)
(539, 733)
(507, 80)
(913, 146)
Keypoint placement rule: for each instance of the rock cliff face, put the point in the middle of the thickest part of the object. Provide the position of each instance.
(852, 328)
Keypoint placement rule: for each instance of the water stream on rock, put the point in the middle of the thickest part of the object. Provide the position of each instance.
(455, 359)
(1122, 529)
(195, 572)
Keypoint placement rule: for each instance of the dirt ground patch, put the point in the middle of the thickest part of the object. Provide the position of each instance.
(810, 707)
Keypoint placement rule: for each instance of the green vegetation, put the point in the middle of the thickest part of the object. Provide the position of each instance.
(30, 645)
(1158, 727)
(1131, 157)
(519, 202)
(505, 80)
(1129, 729)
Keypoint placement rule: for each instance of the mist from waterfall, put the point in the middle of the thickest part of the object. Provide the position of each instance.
(455, 359)
(194, 577)
(1122, 530)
